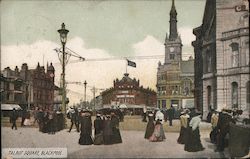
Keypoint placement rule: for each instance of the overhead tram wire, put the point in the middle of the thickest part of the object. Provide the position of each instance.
(82, 59)
(119, 58)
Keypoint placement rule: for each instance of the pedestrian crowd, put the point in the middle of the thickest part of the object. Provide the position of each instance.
(106, 128)
(220, 121)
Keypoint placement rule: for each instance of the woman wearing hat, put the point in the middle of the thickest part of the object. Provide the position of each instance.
(158, 134)
(193, 142)
(98, 125)
(86, 129)
(116, 137)
(184, 124)
(107, 130)
(150, 126)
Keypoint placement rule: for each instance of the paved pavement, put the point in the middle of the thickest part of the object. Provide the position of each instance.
(133, 146)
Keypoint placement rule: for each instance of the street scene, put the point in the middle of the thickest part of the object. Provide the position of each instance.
(125, 79)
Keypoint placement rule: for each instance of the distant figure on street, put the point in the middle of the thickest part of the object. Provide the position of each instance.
(27, 121)
(40, 119)
(98, 125)
(116, 135)
(51, 122)
(107, 131)
(171, 115)
(158, 134)
(214, 122)
(86, 129)
(184, 124)
(23, 115)
(193, 142)
(144, 115)
(225, 117)
(74, 119)
(13, 118)
(150, 126)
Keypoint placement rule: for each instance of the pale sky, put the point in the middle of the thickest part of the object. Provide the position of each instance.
(97, 29)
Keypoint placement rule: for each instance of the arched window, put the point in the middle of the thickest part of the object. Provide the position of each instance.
(235, 95)
(235, 54)
(248, 93)
(209, 96)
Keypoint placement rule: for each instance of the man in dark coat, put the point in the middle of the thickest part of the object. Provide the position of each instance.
(24, 114)
(116, 137)
(74, 119)
(171, 115)
(86, 129)
(40, 119)
(224, 120)
(13, 118)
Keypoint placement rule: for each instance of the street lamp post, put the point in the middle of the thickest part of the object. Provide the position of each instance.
(63, 37)
(85, 84)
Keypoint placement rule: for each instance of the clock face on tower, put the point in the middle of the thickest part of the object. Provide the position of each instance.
(171, 49)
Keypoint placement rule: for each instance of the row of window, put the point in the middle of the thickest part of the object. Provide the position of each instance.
(235, 56)
(234, 94)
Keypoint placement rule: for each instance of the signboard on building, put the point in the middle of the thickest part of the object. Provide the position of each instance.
(187, 103)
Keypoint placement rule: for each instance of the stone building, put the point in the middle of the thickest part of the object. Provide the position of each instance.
(128, 91)
(29, 87)
(222, 48)
(175, 78)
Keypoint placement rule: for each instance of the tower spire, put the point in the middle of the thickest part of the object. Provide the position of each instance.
(173, 22)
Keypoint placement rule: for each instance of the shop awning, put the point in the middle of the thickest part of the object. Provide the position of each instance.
(10, 107)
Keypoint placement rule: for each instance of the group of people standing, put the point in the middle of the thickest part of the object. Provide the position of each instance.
(220, 121)
(154, 130)
(106, 128)
(49, 121)
(190, 132)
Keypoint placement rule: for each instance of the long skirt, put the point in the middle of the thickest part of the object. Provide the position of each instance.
(213, 135)
(85, 139)
(193, 142)
(116, 137)
(107, 139)
(182, 137)
(158, 134)
(98, 139)
(149, 130)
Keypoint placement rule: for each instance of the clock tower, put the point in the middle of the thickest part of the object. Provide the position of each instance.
(174, 80)
(173, 45)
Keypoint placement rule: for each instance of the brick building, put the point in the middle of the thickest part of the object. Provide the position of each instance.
(128, 91)
(222, 49)
(28, 87)
(175, 78)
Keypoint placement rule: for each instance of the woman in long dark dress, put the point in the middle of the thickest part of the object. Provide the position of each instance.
(184, 124)
(107, 131)
(150, 126)
(193, 142)
(116, 137)
(86, 130)
(98, 125)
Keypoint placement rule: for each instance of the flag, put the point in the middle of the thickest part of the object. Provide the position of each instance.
(131, 63)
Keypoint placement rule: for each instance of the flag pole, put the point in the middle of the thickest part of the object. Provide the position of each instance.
(126, 65)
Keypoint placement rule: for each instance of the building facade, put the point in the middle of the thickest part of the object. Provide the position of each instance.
(29, 87)
(175, 78)
(222, 42)
(128, 91)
